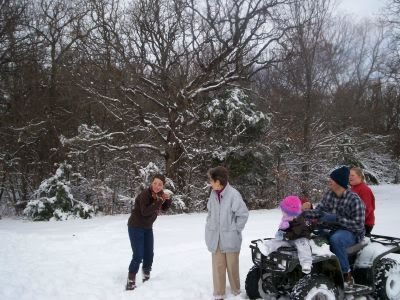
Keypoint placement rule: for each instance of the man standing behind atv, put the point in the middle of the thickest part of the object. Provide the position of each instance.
(341, 206)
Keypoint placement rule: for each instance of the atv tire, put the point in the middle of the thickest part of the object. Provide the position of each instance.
(314, 286)
(266, 287)
(251, 283)
(387, 280)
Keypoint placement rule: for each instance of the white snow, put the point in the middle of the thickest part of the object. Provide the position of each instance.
(321, 289)
(88, 259)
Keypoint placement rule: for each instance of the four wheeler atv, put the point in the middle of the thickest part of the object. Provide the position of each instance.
(280, 273)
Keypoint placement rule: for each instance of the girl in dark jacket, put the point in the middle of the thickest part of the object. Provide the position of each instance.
(140, 228)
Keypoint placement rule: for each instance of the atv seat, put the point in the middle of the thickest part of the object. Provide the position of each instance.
(356, 247)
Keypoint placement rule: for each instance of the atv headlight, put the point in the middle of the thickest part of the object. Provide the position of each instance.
(258, 256)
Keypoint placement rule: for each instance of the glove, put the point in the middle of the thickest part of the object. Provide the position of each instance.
(307, 214)
(327, 217)
(279, 235)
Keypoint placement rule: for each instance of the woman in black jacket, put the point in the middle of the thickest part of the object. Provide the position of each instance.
(140, 228)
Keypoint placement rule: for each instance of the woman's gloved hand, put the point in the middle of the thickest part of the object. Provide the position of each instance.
(280, 235)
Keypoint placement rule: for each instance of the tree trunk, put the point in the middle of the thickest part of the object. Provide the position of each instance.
(174, 158)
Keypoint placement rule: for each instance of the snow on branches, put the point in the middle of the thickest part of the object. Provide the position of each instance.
(53, 199)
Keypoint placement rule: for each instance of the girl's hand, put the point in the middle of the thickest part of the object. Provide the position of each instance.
(166, 194)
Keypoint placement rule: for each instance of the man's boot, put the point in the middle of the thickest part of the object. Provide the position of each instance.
(131, 281)
(348, 279)
(146, 275)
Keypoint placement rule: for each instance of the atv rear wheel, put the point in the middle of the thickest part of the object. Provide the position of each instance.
(387, 280)
(314, 287)
(251, 284)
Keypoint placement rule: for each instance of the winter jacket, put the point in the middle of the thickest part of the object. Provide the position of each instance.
(284, 224)
(298, 228)
(349, 210)
(225, 220)
(147, 206)
(366, 195)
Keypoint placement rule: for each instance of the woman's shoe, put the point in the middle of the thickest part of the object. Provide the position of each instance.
(146, 275)
(131, 282)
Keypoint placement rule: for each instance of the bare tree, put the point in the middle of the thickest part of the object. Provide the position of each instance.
(182, 52)
(306, 78)
(392, 72)
(59, 26)
(13, 49)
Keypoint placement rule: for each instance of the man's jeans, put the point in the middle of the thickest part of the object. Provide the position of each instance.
(142, 243)
(339, 240)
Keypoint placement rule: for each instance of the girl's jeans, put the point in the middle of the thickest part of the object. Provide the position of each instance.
(142, 243)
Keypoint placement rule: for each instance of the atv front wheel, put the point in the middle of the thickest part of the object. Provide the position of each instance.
(251, 284)
(313, 287)
(387, 280)
(267, 287)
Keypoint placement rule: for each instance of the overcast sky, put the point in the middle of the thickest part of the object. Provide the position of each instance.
(361, 8)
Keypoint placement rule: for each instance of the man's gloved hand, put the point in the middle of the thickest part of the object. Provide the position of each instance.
(305, 214)
(327, 217)
(310, 214)
(279, 235)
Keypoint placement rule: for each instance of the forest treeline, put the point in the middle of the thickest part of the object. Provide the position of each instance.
(279, 91)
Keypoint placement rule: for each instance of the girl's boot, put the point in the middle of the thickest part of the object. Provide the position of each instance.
(131, 281)
(146, 275)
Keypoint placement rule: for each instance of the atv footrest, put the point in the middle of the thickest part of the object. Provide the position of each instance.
(357, 289)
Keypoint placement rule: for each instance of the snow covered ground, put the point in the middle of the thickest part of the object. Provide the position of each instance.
(88, 259)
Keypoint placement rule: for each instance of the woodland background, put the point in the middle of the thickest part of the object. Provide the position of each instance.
(279, 91)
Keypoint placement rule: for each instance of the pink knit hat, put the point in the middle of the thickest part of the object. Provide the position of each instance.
(291, 205)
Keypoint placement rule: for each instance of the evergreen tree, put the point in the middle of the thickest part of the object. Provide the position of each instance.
(53, 199)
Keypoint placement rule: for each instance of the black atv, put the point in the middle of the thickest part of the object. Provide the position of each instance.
(279, 273)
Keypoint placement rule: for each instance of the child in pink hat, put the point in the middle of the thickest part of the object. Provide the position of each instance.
(293, 231)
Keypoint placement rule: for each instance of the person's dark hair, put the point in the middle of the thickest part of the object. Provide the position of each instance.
(219, 173)
(159, 176)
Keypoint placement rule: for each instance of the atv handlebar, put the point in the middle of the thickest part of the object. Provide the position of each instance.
(327, 225)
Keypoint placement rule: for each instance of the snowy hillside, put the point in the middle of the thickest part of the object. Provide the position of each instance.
(88, 259)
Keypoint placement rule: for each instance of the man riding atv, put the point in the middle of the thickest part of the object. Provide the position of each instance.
(344, 207)
(350, 266)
